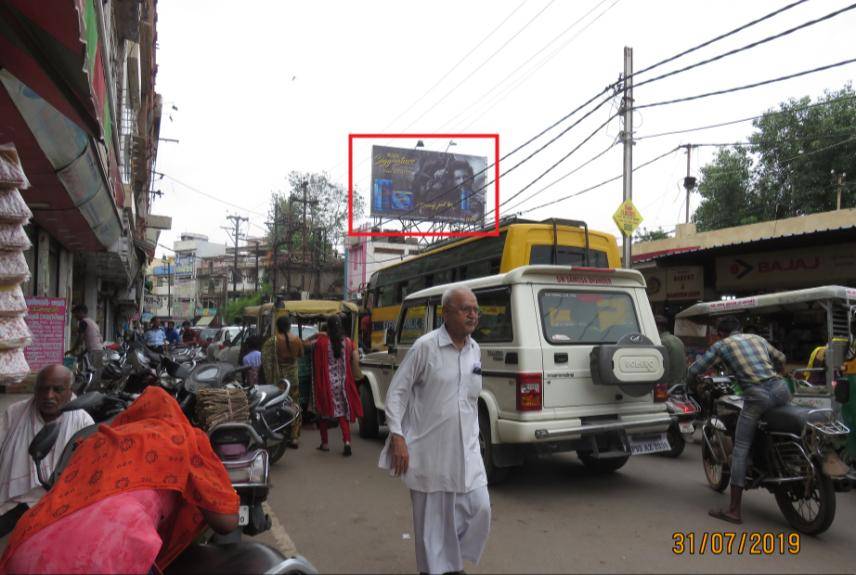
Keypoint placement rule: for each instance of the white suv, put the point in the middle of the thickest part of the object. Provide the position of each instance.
(570, 357)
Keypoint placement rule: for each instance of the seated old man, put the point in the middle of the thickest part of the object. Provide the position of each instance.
(19, 485)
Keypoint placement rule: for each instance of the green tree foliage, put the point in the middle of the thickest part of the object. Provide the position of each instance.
(326, 213)
(794, 151)
(645, 235)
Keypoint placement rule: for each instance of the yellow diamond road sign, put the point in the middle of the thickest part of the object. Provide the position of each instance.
(627, 218)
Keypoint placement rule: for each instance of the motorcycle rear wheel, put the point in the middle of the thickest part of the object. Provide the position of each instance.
(717, 474)
(811, 515)
(276, 451)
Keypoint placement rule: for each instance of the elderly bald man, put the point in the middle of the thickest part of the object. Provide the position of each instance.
(432, 414)
(19, 484)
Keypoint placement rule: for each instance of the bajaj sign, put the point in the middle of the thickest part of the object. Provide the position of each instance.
(787, 268)
(424, 185)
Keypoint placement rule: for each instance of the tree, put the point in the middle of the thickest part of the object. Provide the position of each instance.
(794, 149)
(645, 235)
(326, 217)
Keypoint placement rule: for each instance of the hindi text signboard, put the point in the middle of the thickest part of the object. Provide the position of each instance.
(46, 320)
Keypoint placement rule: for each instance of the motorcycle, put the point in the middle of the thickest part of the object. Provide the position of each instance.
(271, 408)
(790, 456)
(684, 410)
(209, 556)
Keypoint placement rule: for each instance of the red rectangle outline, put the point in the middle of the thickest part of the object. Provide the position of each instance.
(353, 233)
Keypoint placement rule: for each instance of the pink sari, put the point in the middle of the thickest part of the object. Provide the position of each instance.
(88, 541)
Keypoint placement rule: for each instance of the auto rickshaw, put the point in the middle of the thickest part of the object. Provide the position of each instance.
(813, 327)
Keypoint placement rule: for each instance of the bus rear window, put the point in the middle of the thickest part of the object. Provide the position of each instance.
(586, 317)
(567, 256)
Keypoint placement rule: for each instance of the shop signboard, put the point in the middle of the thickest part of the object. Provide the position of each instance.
(785, 269)
(424, 185)
(46, 320)
(684, 283)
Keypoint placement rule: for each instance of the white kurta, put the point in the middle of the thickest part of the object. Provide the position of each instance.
(19, 424)
(433, 403)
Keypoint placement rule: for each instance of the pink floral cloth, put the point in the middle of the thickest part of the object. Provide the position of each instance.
(118, 534)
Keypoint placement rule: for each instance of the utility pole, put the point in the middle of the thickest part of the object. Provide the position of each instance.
(839, 188)
(257, 266)
(627, 136)
(689, 182)
(305, 201)
(236, 221)
(275, 247)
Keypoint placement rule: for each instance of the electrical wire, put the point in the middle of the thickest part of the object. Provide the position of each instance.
(215, 198)
(563, 177)
(660, 63)
(481, 99)
(480, 66)
(747, 46)
(746, 86)
(603, 183)
(741, 120)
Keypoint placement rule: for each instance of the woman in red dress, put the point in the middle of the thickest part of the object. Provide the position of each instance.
(336, 367)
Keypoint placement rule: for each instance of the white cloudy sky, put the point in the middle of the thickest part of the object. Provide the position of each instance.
(265, 87)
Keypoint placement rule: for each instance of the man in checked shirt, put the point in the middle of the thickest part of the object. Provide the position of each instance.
(753, 362)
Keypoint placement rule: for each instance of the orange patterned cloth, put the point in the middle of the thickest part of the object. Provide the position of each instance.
(151, 445)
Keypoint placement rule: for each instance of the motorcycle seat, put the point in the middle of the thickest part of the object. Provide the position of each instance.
(791, 418)
(243, 557)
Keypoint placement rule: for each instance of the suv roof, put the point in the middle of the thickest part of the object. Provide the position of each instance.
(560, 275)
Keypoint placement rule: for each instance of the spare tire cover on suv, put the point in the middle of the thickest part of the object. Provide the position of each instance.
(633, 363)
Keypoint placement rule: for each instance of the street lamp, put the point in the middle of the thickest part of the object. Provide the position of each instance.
(168, 287)
(451, 143)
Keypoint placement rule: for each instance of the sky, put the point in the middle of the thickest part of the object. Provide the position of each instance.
(256, 89)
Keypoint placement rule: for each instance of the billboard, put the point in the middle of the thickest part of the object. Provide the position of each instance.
(424, 185)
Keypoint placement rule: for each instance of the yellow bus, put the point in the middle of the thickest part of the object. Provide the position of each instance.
(520, 242)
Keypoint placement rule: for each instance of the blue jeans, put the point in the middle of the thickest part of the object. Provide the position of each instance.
(757, 399)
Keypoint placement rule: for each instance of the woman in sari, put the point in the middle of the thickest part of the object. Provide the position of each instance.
(134, 495)
(280, 355)
(336, 365)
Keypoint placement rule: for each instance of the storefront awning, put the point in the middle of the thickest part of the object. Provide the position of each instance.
(52, 47)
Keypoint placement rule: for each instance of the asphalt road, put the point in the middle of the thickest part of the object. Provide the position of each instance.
(551, 516)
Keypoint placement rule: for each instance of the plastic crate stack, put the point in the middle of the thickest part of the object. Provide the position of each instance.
(14, 215)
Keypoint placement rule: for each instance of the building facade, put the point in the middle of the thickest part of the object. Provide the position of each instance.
(78, 100)
(366, 255)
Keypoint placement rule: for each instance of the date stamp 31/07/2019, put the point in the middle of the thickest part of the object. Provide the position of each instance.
(735, 543)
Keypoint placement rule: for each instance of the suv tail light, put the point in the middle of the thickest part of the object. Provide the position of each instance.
(661, 392)
(528, 392)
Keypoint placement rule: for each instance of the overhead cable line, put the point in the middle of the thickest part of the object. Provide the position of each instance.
(563, 177)
(447, 74)
(746, 86)
(603, 183)
(720, 37)
(481, 99)
(741, 120)
(480, 66)
(215, 198)
(746, 47)
(615, 85)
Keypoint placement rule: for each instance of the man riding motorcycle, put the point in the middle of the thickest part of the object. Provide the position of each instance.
(753, 361)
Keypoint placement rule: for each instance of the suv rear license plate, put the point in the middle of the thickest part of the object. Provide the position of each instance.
(243, 515)
(648, 443)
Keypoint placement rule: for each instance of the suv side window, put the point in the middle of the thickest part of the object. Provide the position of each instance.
(494, 316)
(413, 323)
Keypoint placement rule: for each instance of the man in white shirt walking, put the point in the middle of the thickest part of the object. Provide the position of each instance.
(432, 414)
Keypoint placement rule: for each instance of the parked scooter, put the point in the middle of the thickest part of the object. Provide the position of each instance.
(208, 557)
(792, 455)
(272, 411)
